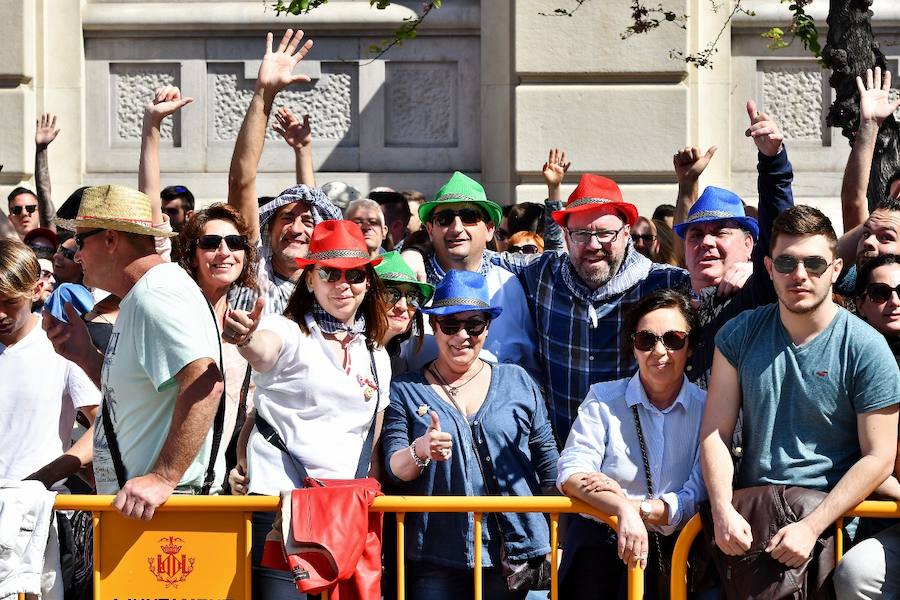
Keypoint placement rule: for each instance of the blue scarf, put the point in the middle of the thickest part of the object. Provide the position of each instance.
(329, 324)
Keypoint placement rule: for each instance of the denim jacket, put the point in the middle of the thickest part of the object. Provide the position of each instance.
(511, 431)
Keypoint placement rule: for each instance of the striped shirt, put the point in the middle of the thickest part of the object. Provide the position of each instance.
(579, 329)
(604, 440)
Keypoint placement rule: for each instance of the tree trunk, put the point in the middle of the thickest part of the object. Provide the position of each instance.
(851, 49)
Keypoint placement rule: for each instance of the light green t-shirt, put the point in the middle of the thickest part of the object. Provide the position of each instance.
(164, 324)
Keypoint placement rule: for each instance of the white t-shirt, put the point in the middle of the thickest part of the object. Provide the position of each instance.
(164, 324)
(320, 412)
(40, 392)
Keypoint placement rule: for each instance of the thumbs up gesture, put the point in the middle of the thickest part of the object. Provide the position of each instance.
(435, 444)
(764, 131)
(239, 325)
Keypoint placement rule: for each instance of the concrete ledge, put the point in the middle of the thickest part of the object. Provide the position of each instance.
(886, 13)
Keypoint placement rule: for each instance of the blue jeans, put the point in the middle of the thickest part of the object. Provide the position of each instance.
(427, 581)
(269, 584)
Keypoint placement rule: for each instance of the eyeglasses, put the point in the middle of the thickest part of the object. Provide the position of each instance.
(17, 210)
(881, 292)
(814, 265)
(501, 234)
(525, 249)
(603, 236)
(474, 326)
(212, 242)
(392, 296)
(68, 253)
(643, 237)
(80, 237)
(353, 276)
(646, 340)
(468, 216)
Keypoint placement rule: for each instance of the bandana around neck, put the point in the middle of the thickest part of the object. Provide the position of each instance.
(435, 273)
(329, 324)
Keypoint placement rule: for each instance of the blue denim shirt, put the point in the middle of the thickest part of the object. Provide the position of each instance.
(511, 429)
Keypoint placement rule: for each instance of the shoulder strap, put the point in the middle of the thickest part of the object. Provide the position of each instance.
(646, 461)
(112, 443)
(219, 420)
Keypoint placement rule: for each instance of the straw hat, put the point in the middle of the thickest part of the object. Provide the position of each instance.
(339, 245)
(115, 207)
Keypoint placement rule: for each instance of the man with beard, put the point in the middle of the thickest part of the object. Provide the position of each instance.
(578, 300)
(819, 391)
(280, 226)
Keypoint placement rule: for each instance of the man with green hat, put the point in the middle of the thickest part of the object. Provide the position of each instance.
(460, 222)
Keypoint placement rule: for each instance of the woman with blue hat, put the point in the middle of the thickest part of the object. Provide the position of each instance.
(464, 426)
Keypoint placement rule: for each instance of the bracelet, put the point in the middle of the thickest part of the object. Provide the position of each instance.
(421, 463)
(245, 342)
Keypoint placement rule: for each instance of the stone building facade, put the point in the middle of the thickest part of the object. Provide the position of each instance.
(486, 88)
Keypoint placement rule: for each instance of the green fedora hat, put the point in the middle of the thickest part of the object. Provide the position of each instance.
(461, 188)
(394, 269)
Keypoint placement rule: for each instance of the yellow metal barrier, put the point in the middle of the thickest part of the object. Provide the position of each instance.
(869, 508)
(196, 512)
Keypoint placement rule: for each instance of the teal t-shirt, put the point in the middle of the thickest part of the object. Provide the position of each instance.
(800, 403)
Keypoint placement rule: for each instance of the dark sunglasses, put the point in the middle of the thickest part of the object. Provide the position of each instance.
(525, 249)
(66, 252)
(474, 327)
(212, 242)
(42, 251)
(331, 275)
(468, 216)
(80, 237)
(814, 265)
(881, 292)
(643, 237)
(17, 210)
(646, 340)
(392, 295)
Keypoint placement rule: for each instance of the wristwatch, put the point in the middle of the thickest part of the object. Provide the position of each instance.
(645, 509)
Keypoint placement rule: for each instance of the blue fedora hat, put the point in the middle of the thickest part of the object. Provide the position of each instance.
(716, 204)
(461, 291)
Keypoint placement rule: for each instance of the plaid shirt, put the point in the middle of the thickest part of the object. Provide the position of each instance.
(579, 328)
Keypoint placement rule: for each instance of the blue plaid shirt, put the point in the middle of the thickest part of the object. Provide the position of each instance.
(579, 328)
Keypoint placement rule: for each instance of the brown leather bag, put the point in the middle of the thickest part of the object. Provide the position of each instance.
(757, 575)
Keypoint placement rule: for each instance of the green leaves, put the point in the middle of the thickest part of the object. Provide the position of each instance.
(297, 7)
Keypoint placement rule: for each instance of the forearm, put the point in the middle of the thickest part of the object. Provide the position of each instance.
(688, 191)
(606, 502)
(854, 205)
(553, 233)
(245, 160)
(69, 463)
(304, 166)
(148, 170)
(92, 365)
(42, 183)
(854, 487)
(261, 351)
(192, 418)
(718, 470)
(403, 466)
(244, 437)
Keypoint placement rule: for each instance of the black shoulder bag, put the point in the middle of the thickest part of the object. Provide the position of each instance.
(218, 427)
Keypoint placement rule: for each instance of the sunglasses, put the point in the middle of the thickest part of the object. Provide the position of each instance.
(212, 242)
(881, 292)
(468, 216)
(80, 237)
(42, 251)
(814, 265)
(353, 276)
(474, 327)
(501, 234)
(17, 210)
(525, 249)
(68, 253)
(603, 236)
(643, 237)
(646, 340)
(392, 296)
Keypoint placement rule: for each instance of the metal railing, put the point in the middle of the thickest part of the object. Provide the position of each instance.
(869, 508)
(401, 505)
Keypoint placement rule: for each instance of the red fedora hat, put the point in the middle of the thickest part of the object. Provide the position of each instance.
(337, 244)
(596, 193)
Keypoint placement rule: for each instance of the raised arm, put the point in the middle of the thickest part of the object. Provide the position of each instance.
(275, 73)
(298, 135)
(166, 101)
(45, 133)
(689, 164)
(554, 172)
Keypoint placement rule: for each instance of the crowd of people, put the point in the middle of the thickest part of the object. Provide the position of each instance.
(652, 367)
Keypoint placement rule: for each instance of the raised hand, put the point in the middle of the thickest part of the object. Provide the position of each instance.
(555, 168)
(297, 134)
(45, 131)
(764, 131)
(435, 444)
(239, 325)
(874, 103)
(276, 70)
(166, 101)
(690, 162)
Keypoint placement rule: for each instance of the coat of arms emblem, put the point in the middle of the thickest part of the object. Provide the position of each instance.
(171, 567)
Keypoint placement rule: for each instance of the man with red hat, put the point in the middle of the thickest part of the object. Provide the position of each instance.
(578, 300)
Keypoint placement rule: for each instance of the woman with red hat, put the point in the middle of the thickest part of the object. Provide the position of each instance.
(321, 379)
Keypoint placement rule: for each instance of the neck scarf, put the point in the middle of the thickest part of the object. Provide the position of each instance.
(329, 324)
(436, 274)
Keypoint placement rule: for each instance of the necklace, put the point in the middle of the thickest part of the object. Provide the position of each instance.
(452, 390)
